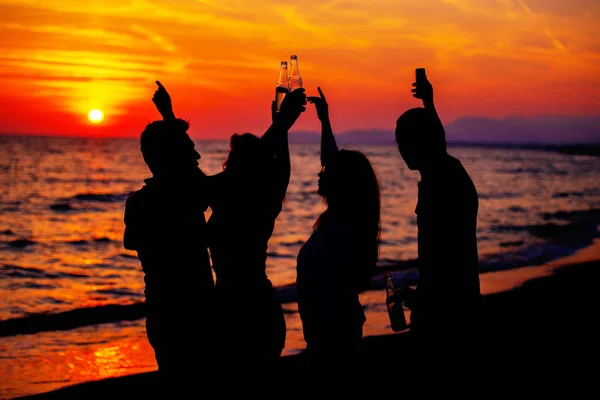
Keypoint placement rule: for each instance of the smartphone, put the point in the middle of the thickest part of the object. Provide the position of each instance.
(420, 75)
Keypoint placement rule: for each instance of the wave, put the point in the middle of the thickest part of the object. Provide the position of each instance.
(563, 233)
(15, 271)
(21, 243)
(117, 291)
(78, 242)
(85, 201)
(500, 195)
(532, 171)
(71, 319)
(100, 197)
(279, 255)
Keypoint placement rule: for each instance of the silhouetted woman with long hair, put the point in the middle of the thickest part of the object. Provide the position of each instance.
(338, 260)
(246, 199)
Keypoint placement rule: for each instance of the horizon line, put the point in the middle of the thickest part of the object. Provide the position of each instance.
(203, 139)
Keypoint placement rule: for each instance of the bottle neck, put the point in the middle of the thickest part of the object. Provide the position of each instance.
(294, 70)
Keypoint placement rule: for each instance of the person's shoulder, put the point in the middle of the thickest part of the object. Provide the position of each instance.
(454, 169)
(134, 204)
(136, 197)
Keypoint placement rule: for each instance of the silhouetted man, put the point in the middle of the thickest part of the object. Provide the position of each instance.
(446, 303)
(165, 224)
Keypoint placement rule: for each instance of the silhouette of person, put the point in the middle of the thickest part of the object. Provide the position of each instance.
(165, 224)
(446, 303)
(246, 198)
(338, 260)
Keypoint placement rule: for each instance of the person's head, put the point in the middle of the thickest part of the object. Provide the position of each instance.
(420, 139)
(350, 187)
(168, 150)
(247, 154)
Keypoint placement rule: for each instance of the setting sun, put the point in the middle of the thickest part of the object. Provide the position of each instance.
(95, 116)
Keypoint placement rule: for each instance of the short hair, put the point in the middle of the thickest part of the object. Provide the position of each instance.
(419, 128)
(160, 140)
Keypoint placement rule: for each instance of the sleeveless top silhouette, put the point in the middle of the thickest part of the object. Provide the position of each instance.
(328, 285)
(242, 222)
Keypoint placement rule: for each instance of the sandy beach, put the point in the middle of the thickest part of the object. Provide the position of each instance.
(540, 332)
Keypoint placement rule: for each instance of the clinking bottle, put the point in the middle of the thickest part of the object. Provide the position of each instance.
(295, 80)
(282, 88)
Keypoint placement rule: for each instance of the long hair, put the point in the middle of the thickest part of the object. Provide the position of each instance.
(353, 196)
(247, 153)
(250, 166)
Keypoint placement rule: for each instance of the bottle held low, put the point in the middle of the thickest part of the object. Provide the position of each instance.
(394, 307)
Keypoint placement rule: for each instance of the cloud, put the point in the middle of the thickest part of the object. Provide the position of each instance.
(154, 37)
(213, 51)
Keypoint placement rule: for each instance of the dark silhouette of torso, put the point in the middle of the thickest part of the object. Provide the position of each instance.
(251, 323)
(448, 292)
(165, 224)
(328, 272)
(240, 227)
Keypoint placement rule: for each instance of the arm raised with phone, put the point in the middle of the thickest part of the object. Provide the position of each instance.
(423, 90)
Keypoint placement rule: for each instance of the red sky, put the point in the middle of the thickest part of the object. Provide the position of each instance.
(220, 60)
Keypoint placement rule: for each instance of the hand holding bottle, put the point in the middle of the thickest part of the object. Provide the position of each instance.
(406, 296)
(394, 305)
(291, 107)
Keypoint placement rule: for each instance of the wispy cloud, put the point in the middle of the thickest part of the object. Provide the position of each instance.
(544, 29)
(154, 37)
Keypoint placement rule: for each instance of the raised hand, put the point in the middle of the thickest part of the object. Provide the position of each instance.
(321, 105)
(162, 101)
(291, 107)
(423, 89)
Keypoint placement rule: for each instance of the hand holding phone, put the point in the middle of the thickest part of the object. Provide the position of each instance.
(422, 87)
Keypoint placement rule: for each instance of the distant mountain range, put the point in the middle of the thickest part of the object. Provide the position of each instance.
(512, 131)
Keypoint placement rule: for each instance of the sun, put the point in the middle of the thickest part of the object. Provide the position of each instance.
(95, 116)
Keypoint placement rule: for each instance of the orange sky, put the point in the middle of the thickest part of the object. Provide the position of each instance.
(220, 60)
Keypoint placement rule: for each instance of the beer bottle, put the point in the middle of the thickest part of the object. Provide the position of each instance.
(295, 80)
(395, 310)
(281, 89)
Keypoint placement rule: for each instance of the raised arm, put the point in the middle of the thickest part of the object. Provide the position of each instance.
(162, 101)
(276, 138)
(423, 89)
(291, 107)
(328, 144)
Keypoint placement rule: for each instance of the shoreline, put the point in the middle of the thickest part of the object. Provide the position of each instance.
(538, 319)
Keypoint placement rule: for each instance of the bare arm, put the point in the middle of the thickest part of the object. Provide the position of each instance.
(276, 138)
(328, 144)
(424, 90)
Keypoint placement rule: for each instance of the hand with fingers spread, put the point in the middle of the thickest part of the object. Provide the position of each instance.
(423, 89)
(321, 105)
(162, 101)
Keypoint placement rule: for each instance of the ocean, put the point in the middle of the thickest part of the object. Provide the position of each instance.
(72, 296)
